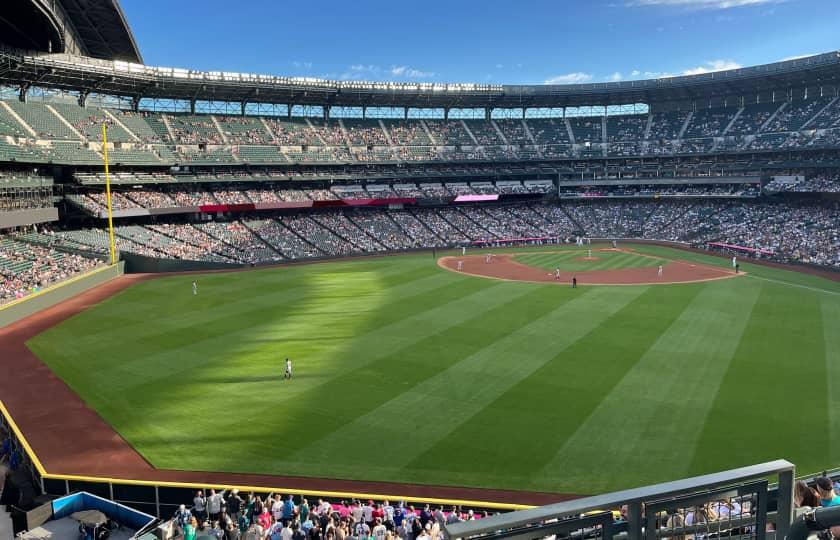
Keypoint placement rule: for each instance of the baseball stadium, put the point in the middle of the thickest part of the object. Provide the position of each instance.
(249, 306)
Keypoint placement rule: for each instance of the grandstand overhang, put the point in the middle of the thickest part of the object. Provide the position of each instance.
(93, 28)
(103, 28)
(87, 75)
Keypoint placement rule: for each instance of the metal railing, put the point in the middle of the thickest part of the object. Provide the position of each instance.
(748, 483)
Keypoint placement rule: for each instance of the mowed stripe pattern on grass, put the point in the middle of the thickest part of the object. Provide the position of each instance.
(406, 372)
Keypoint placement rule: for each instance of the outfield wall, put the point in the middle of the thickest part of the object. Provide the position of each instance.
(141, 264)
(60, 292)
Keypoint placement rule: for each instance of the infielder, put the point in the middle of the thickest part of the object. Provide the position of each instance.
(460, 265)
(557, 273)
(659, 271)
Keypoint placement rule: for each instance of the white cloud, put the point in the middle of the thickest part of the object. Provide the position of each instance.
(712, 65)
(701, 4)
(410, 72)
(796, 57)
(362, 68)
(615, 77)
(570, 78)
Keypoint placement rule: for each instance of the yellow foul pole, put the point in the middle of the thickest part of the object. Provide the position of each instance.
(108, 193)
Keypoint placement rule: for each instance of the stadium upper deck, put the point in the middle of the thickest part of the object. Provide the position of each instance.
(160, 117)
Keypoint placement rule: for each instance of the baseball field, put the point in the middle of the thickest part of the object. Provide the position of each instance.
(409, 371)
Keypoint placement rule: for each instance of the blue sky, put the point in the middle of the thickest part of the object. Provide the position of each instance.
(492, 41)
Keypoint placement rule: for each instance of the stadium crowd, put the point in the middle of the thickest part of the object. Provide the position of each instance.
(803, 231)
(234, 516)
(27, 268)
(230, 515)
(166, 138)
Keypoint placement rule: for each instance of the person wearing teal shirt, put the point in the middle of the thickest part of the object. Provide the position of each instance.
(826, 490)
(189, 529)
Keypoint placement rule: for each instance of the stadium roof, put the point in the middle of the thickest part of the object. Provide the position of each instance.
(103, 28)
(95, 28)
(136, 80)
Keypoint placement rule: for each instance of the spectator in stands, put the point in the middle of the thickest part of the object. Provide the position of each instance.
(190, 529)
(200, 506)
(825, 489)
(214, 504)
(182, 517)
(805, 496)
(234, 504)
(289, 510)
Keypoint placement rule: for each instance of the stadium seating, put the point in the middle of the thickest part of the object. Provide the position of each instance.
(484, 132)
(45, 123)
(88, 122)
(407, 132)
(667, 126)
(139, 126)
(626, 128)
(194, 129)
(9, 125)
(828, 116)
(449, 132)
(709, 122)
(243, 130)
(365, 132)
(28, 266)
(587, 130)
(514, 131)
(328, 132)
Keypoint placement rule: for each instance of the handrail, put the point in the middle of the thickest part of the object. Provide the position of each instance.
(630, 496)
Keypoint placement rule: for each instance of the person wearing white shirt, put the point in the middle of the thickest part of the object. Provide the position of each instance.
(379, 530)
(389, 511)
(367, 511)
(277, 509)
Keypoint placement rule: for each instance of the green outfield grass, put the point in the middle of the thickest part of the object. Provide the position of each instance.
(407, 372)
(569, 260)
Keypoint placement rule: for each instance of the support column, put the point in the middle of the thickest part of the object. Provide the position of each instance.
(192, 106)
(405, 113)
(488, 112)
(446, 113)
(83, 99)
(135, 103)
(327, 112)
(634, 521)
(242, 109)
(784, 512)
(22, 92)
